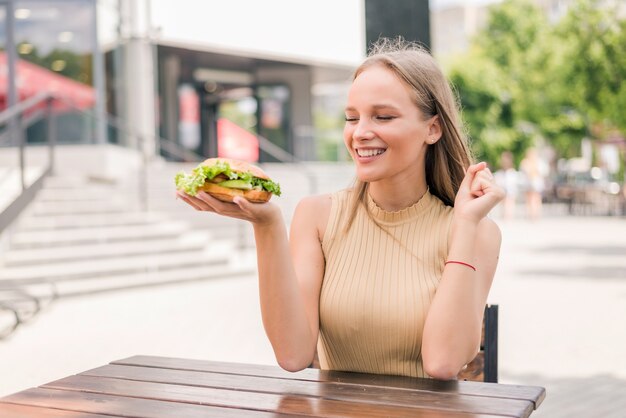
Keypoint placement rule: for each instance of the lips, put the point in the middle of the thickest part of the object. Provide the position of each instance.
(369, 152)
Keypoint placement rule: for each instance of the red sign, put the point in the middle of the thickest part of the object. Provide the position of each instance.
(235, 142)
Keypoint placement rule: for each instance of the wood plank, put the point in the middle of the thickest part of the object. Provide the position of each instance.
(534, 394)
(25, 411)
(93, 403)
(280, 403)
(374, 395)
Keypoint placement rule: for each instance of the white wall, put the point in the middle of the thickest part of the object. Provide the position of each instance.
(324, 30)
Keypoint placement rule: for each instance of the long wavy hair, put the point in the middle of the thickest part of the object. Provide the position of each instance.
(447, 159)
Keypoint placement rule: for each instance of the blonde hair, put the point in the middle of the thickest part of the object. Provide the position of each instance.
(448, 158)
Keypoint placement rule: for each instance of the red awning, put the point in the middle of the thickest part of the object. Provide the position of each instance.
(33, 79)
(235, 142)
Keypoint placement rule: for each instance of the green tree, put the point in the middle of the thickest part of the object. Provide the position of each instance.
(496, 80)
(527, 79)
(594, 62)
(486, 107)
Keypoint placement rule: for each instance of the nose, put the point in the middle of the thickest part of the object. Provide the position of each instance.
(362, 130)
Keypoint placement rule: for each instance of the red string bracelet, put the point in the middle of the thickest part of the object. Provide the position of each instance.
(461, 263)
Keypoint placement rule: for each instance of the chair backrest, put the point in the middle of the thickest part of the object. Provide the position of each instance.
(484, 367)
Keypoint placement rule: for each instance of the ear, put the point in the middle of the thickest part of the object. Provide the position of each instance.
(434, 129)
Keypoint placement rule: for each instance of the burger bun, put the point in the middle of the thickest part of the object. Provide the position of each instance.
(226, 194)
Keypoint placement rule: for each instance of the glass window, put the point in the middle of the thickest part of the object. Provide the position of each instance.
(274, 102)
(55, 42)
(56, 35)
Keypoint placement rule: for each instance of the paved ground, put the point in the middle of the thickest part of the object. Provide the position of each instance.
(561, 287)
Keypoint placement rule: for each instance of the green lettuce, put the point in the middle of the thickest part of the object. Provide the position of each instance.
(190, 183)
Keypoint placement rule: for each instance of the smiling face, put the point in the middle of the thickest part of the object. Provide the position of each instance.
(385, 132)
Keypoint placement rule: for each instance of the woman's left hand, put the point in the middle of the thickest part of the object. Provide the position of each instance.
(478, 193)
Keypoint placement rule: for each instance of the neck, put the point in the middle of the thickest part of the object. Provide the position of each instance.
(393, 197)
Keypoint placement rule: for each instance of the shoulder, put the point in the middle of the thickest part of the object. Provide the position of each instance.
(314, 212)
(312, 204)
(321, 204)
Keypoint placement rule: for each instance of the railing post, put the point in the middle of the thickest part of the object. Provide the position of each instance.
(143, 177)
(51, 134)
(21, 138)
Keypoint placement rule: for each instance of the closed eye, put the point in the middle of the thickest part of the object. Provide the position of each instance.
(351, 119)
(385, 117)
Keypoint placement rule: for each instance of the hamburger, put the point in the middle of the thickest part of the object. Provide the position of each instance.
(224, 178)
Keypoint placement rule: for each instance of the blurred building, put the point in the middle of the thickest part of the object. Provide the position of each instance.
(453, 27)
(174, 69)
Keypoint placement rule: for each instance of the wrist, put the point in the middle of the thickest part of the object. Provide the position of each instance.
(463, 233)
(464, 224)
(270, 222)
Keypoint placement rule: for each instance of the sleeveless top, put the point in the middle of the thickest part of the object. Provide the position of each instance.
(378, 285)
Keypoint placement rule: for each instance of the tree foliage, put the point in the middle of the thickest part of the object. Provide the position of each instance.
(526, 79)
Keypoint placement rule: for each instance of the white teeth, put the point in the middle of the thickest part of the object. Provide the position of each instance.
(369, 152)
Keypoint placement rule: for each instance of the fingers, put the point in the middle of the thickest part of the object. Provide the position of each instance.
(470, 173)
(240, 208)
(191, 201)
(204, 202)
(484, 185)
(221, 208)
(483, 180)
(244, 204)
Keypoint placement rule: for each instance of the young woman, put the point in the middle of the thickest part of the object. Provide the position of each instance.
(392, 275)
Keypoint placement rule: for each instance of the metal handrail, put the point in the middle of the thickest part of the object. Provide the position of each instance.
(167, 145)
(21, 107)
(12, 117)
(286, 157)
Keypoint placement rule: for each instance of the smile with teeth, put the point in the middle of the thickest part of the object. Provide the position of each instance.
(369, 152)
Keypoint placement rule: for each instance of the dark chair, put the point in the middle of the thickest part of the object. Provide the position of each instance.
(484, 367)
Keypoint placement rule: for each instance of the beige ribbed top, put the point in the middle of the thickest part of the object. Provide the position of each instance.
(376, 291)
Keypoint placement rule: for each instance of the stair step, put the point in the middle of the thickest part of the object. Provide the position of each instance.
(15, 276)
(90, 220)
(88, 194)
(80, 181)
(137, 280)
(38, 239)
(111, 205)
(185, 242)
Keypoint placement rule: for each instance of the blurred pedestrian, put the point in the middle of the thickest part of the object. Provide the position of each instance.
(534, 172)
(509, 179)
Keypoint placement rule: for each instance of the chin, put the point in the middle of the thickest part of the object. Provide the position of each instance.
(366, 176)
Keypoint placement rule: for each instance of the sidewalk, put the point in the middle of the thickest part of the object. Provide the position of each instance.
(561, 287)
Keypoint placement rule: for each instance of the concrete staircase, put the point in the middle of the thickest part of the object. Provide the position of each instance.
(84, 235)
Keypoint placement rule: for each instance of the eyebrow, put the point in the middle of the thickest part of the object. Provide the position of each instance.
(375, 107)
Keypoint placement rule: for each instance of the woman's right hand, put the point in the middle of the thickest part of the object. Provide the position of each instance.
(259, 214)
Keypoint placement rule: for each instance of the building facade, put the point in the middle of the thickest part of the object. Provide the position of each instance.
(170, 73)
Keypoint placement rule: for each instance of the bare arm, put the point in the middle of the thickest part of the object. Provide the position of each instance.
(454, 322)
(290, 271)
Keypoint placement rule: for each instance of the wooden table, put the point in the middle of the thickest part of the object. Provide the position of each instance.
(157, 387)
